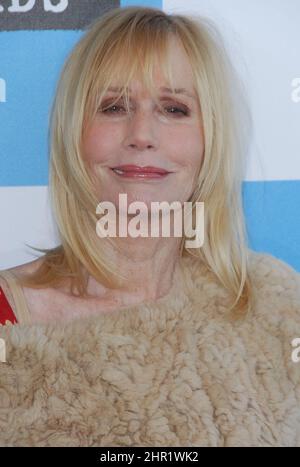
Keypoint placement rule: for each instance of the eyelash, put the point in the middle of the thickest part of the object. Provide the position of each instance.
(182, 111)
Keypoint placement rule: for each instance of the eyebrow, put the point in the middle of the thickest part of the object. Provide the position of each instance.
(168, 90)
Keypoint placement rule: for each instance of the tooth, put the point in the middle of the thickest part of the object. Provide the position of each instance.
(118, 171)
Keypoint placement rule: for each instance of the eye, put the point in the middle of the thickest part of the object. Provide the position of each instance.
(171, 109)
(177, 110)
(110, 109)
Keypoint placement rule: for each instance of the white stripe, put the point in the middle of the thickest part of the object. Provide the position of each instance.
(25, 217)
(262, 38)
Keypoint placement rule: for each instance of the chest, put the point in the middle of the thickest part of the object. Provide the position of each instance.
(50, 305)
(179, 388)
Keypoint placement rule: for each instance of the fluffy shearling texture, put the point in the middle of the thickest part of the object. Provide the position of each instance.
(175, 372)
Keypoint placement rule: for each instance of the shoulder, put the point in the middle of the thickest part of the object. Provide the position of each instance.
(276, 290)
(9, 275)
(274, 279)
(7, 304)
(6, 289)
(30, 267)
(9, 283)
(276, 305)
(17, 271)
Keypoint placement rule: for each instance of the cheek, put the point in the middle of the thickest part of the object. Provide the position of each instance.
(98, 144)
(188, 149)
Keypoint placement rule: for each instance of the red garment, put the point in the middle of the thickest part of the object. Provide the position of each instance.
(6, 312)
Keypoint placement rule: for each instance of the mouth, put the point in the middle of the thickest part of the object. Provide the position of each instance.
(144, 173)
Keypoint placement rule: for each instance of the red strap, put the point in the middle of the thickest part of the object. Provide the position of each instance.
(6, 313)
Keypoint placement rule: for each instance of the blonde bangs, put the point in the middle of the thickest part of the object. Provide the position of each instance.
(148, 51)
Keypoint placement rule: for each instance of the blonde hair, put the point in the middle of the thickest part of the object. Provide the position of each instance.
(101, 54)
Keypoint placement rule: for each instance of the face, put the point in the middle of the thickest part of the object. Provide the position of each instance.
(171, 139)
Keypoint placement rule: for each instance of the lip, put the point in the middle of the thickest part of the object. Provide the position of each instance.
(138, 169)
(137, 172)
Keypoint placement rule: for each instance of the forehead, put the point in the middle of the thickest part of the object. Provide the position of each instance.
(181, 71)
(179, 62)
(180, 67)
(174, 55)
(137, 87)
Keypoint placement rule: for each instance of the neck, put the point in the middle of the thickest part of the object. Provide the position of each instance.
(147, 263)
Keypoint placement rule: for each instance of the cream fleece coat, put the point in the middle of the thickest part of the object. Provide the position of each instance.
(174, 372)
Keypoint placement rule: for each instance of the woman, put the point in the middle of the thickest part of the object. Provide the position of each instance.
(144, 340)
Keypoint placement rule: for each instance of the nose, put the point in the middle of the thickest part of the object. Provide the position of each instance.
(140, 132)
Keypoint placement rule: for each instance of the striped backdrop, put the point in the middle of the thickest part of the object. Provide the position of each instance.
(263, 37)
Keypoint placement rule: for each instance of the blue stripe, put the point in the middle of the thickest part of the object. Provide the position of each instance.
(150, 3)
(273, 218)
(30, 65)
